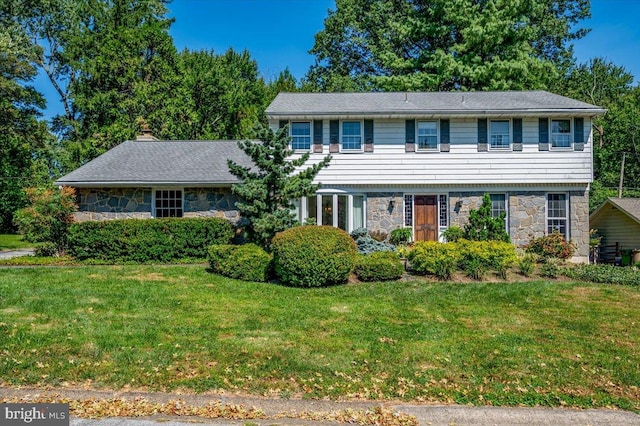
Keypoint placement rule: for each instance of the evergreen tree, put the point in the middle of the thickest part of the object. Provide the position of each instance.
(267, 189)
(483, 226)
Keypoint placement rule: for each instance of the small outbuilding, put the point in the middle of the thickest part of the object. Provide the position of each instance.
(617, 220)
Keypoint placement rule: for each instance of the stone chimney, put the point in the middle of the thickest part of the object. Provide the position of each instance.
(146, 135)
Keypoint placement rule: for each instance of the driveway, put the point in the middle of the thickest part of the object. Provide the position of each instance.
(15, 253)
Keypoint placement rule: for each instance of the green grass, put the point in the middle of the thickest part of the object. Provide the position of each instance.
(181, 328)
(13, 242)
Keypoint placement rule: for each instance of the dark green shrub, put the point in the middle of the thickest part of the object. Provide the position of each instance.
(551, 268)
(147, 240)
(552, 245)
(379, 266)
(247, 262)
(483, 226)
(453, 234)
(48, 249)
(401, 236)
(606, 274)
(366, 244)
(527, 264)
(434, 258)
(313, 256)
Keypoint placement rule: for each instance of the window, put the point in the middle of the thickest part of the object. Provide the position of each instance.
(301, 136)
(561, 133)
(499, 206)
(427, 135)
(340, 210)
(168, 203)
(408, 210)
(557, 214)
(351, 135)
(499, 136)
(444, 209)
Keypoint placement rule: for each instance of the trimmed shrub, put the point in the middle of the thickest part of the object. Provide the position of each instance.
(476, 257)
(552, 245)
(379, 266)
(366, 244)
(247, 262)
(434, 258)
(313, 256)
(147, 240)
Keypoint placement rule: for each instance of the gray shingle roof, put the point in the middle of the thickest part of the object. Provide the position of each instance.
(631, 206)
(160, 163)
(443, 103)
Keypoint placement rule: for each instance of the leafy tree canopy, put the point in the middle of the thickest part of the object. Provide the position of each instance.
(437, 45)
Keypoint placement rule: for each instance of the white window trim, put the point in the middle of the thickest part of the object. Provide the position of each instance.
(304, 209)
(567, 218)
(571, 129)
(310, 135)
(164, 188)
(506, 208)
(505, 148)
(361, 149)
(437, 147)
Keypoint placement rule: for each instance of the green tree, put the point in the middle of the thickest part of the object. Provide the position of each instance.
(23, 137)
(483, 226)
(445, 44)
(267, 189)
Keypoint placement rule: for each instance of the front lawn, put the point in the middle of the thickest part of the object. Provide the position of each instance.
(181, 328)
(13, 242)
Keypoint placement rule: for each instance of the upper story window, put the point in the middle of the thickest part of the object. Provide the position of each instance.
(168, 203)
(499, 135)
(427, 135)
(561, 133)
(352, 135)
(301, 135)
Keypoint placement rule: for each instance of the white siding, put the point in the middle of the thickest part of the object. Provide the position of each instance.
(617, 227)
(389, 164)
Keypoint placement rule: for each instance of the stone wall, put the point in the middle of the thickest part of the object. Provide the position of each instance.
(381, 216)
(136, 203)
(579, 214)
(460, 203)
(527, 216)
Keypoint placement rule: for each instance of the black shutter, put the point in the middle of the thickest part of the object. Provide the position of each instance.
(368, 135)
(482, 135)
(578, 134)
(517, 134)
(445, 142)
(334, 135)
(543, 134)
(410, 136)
(317, 136)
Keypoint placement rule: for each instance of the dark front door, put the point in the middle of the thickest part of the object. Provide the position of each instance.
(426, 217)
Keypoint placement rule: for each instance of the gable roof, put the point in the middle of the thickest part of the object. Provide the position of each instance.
(157, 163)
(408, 104)
(628, 206)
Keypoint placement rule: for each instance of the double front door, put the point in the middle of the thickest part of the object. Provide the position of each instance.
(425, 210)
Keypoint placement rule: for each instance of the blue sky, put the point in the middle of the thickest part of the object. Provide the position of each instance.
(279, 33)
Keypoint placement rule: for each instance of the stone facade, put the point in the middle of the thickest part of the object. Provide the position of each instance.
(136, 203)
(527, 216)
(382, 214)
(579, 214)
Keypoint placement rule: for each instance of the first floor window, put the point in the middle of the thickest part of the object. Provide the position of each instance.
(557, 214)
(444, 210)
(339, 210)
(351, 135)
(427, 135)
(499, 134)
(301, 136)
(561, 133)
(499, 206)
(168, 203)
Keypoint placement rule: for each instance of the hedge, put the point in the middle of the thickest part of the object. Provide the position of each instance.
(379, 266)
(147, 240)
(247, 262)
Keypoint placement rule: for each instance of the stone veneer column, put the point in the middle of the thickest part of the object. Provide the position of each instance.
(380, 216)
(579, 222)
(527, 216)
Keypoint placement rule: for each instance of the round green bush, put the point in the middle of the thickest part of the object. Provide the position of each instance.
(379, 266)
(246, 262)
(313, 256)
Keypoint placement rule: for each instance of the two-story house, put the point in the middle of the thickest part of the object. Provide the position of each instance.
(419, 160)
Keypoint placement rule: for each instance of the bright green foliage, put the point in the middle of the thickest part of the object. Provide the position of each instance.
(437, 45)
(483, 226)
(453, 233)
(47, 217)
(434, 258)
(247, 262)
(148, 240)
(527, 264)
(552, 245)
(401, 236)
(266, 190)
(476, 257)
(313, 256)
(379, 266)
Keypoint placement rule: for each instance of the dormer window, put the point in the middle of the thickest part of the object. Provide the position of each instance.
(499, 134)
(427, 135)
(301, 135)
(351, 136)
(561, 133)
